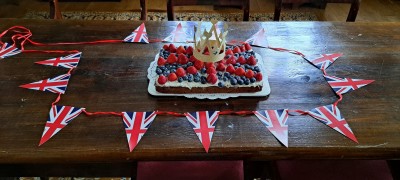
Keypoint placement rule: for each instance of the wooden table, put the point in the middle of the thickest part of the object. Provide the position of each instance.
(112, 77)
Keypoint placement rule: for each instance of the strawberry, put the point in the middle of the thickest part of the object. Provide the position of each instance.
(166, 47)
(161, 61)
(191, 70)
(212, 78)
(221, 67)
(231, 60)
(206, 50)
(181, 49)
(172, 77)
(172, 58)
(210, 64)
(180, 72)
(240, 71)
(236, 50)
(162, 79)
(242, 48)
(192, 59)
(182, 59)
(241, 60)
(229, 51)
(172, 48)
(258, 76)
(247, 46)
(222, 61)
(189, 50)
(252, 61)
(199, 64)
(249, 74)
(211, 70)
(230, 69)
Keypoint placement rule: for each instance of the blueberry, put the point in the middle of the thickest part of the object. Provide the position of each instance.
(227, 56)
(219, 73)
(190, 78)
(233, 81)
(197, 74)
(247, 81)
(237, 64)
(167, 66)
(173, 70)
(236, 55)
(203, 80)
(197, 79)
(243, 77)
(238, 78)
(252, 80)
(240, 82)
(227, 74)
(185, 78)
(203, 70)
(220, 84)
(189, 64)
(256, 68)
(162, 68)
(220, 77)
(185, 47)
(224, 78)
(180, 79)
(159, 71)
(178, 65)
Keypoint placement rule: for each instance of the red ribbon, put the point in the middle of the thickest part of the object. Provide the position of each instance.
(102, 113)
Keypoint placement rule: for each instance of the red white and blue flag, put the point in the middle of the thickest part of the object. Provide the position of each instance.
(258, 39)
(138, 35)
(70, 61)
(177, 35)
(136, 124)
(323, 61)
(55, 85)
(344, 85)
(59, 117)
(330, 115)
(203, 123)
(276, 122)
(8, 50)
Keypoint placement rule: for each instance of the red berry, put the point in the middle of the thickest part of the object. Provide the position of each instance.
(258, 76)
(231, 60)
(166, 47)
(242, 48)
(162, 79)
(181, 49)
(221, 67)
(180, 72)
(229, 51)
(199, 64)
(182, 59)
(161, 61)
(210, 64)
(191, 70)
(212, 78)
(230, 69)
(247, 46)
(172, 58)
(222, 61)
(252, 61)
(236, 50)
(189, 50)
(241, 60)
(172, 48)
(249, 74)
(206, 50)
(192, 59)
(172, 77)
(211, 70)
(240, 71)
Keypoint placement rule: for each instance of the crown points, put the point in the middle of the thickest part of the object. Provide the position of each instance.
(209, 45)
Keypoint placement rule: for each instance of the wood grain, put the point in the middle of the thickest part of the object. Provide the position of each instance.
(112, 77)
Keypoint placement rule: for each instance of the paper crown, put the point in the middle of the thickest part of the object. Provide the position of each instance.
(209, 45)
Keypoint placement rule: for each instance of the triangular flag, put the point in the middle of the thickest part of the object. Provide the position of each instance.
(177, 35)
(344, 85)
(136, 124)
(276, 122)
(203, 123)
(55, 85)
(70, 61)
(59, 117)
(330, 115)
(138, 35)
(8, 50)
(258, 39)
(323, 61)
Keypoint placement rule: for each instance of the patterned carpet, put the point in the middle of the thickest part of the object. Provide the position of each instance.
(182, 16)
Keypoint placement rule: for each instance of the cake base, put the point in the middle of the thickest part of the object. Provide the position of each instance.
(214, 89)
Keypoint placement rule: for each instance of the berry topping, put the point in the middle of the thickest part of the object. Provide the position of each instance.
(192, 59)
(230, 69)
(198, 64)
(231, 60)
(172, 77)
(233, 81)
(247, 46)
(180, 72)
(236, 50)
(252, 61)
(172, 48)
(242, 48)
(165, 47)
(191, 70)
(172, 58)
(212, 78)
(180, 50)
(249, 74)
(221, 67)
(182, 59)
(258, 76)
(180, 79)
(211, 70)
(229, 51)
(241, 60)
(239, 71)
(161, 61)
(189, 50)
(162, 79)
(209, 65)
(221, 84)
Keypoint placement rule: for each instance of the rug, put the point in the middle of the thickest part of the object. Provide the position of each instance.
(180, 16)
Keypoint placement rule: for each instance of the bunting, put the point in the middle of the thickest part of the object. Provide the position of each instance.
(136, 125)
(138, 35)
(258, 39)
(203, 123)
(8, 50)
(323, 61)
(55, 85)
(70, 61)
(345, 85)
(177, 35)
(276, 123)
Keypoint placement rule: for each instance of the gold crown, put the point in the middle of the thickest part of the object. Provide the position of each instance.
(211, 40)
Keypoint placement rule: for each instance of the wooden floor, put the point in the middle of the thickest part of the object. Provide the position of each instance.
(370, 10)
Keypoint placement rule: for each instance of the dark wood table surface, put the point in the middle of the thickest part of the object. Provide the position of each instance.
(113, 77)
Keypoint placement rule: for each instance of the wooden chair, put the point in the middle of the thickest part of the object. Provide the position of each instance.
(55, 12)
(355, 5)
(244, 4)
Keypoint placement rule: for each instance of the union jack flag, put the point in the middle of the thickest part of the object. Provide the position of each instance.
(276, 122)
(136, 124)
(59, 117)
(341, 86)
(330, 115)
(138, 35)
(258, 39)
(8, 50)
(203, 125)
(177, 35)
(55, 85)
(323, 61)
(70, 61)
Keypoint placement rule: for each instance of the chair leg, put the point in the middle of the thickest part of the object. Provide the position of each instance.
(143, 9)
(55, 12)
(278, 7)
(246, 11)
(170, 11)
(353, 11)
